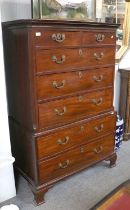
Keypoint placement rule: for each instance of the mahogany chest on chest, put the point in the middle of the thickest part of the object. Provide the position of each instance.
(59, 78)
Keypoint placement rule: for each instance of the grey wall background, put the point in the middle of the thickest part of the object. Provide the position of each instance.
(15, 9)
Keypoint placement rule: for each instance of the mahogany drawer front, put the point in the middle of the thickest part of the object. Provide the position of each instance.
(54, 85)
(75, 159)
(67, 59)
(63, 139)
(74, 108)
(98, 37)
(55, 38)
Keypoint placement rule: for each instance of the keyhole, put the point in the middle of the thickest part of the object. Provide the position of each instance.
(80, 74)
(81, 149)
(80, 53)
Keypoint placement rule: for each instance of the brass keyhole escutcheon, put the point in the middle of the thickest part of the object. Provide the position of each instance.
(82, 129)
(80, 74)
(80, 98)
(80, 53)
(81, 149)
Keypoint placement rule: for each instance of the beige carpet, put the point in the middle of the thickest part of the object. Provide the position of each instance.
(81, 191)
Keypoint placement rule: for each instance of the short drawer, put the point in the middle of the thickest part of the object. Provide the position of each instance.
(98, 38)
(75, 159)
(56, 38)
(54, 60)
(65, 138)
(54, 85)
(54, 113)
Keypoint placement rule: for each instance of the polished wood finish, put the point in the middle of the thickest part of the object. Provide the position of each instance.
(83, 132)
(124, 103)
(62, 111)
(58, 85)
(75, 159)
(97, 37)
(59, 77)
(73, 58)
(46, 39)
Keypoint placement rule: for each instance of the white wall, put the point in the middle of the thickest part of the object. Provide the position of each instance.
(7, 185)
(4, 135)
(125, 63)
(15, 9)
(9, 10)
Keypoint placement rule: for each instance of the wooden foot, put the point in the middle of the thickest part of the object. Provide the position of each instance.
(112, 160)
(39, 196)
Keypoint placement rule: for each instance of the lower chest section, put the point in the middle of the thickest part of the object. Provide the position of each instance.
(75, 159)
(72, 148)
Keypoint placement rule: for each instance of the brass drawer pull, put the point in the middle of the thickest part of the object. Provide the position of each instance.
(55, 85)
(64, 165)
(58, 37)
(97, 102)
(97, 151)
(54, 58)
(99, 129)
(60, 113)
(99, 56)
(59, 141)
(100, 37)
(98, 79)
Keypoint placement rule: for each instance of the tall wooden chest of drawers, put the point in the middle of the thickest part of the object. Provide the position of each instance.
(59, 79)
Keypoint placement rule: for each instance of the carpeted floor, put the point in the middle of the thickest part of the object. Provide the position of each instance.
(81, 191)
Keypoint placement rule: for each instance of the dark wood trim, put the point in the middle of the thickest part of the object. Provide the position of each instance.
(33, 22)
